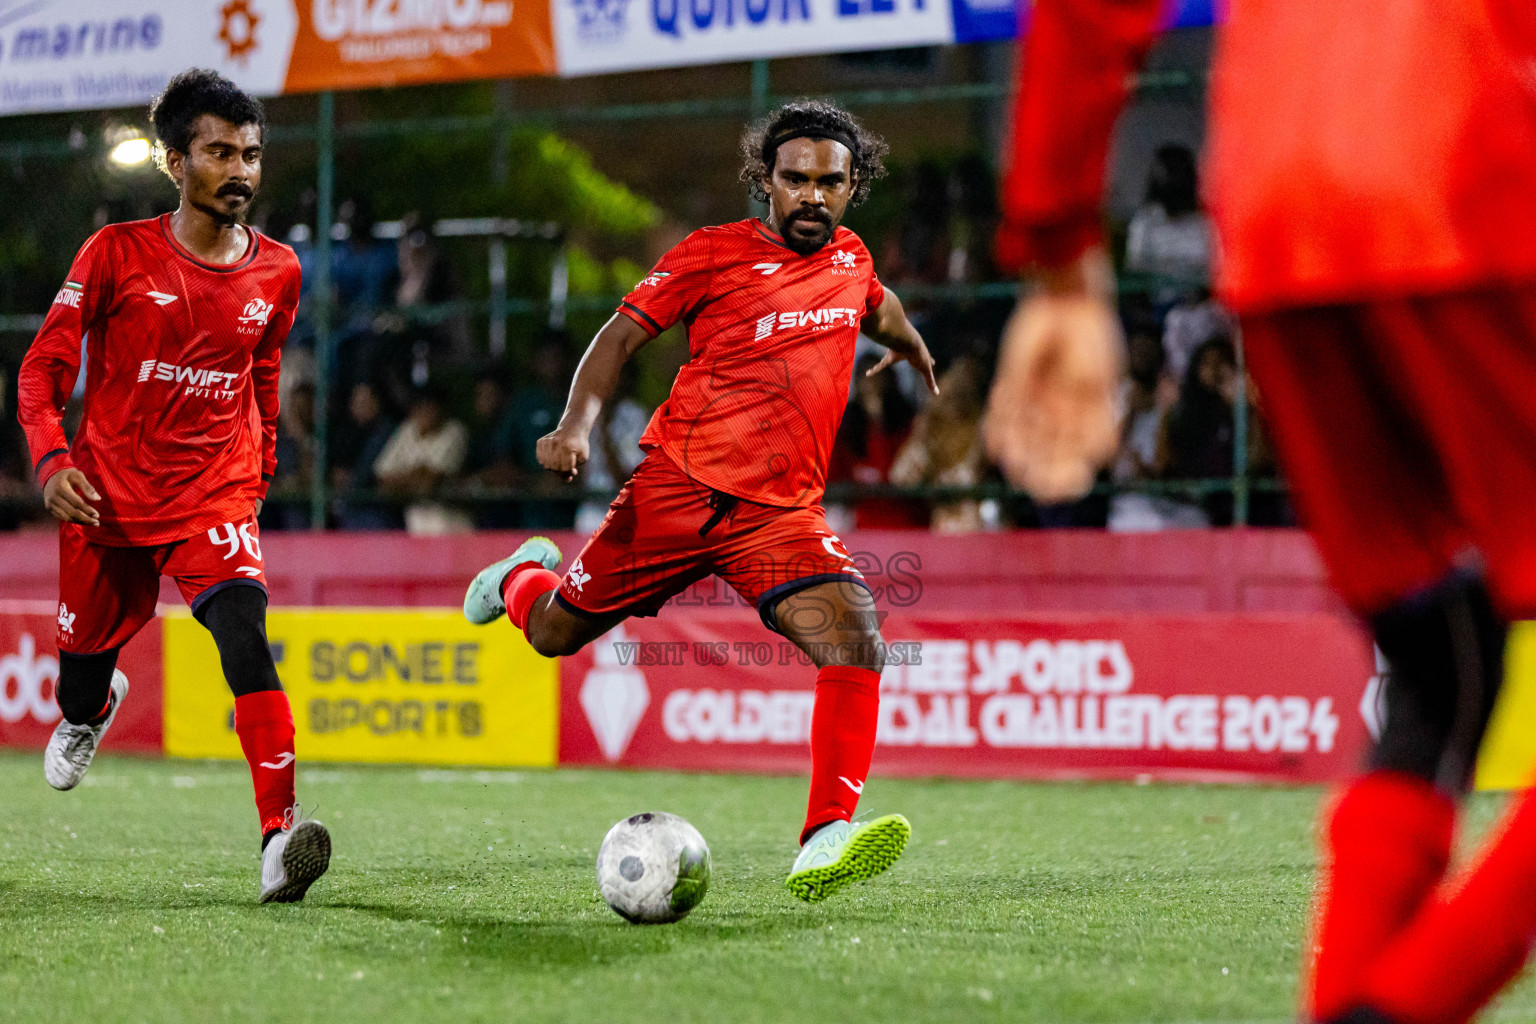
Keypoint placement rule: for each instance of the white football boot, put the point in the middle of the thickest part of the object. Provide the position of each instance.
(842, 853)
(72, 748)
(294, 858)
(483, 602)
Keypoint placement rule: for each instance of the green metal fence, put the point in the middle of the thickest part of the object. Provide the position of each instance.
(325, 133)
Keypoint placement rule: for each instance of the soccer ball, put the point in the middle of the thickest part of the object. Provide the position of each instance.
(653, 868)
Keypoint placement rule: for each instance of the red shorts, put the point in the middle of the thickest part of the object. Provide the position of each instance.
(1408, 431)
(665, 531)
(107, 594)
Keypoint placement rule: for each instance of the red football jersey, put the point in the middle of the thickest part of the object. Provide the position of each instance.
(771, 335)
(1359, 148)
(180, 426)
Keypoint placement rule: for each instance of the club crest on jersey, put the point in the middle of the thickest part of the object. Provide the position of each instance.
(654, 278)
(256, 312)
(66, 619)
(844, 262)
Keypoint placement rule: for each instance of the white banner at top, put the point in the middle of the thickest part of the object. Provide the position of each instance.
(596, 36)
(83, 54)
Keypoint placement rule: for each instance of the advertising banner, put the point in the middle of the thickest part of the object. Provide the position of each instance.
(82, 54)
(418, 686)
(29, 669)
(92, 54)
(1284, 698)
(595, 36)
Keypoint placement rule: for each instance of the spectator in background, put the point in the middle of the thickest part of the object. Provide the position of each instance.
(421, 459)
(487, 451)
(1196, 442)
(876, 424)
(1170, 236)
(356, 445)
(1151, 393)
(534, 410)
(488, 465)
(945, 448)
(362, 267)
(614, 447)
(424, 277)
(1194, 320)
(295, 461)
(362, 281)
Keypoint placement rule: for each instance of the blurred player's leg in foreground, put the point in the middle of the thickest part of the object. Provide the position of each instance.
(1370, 250)
(1429, 459)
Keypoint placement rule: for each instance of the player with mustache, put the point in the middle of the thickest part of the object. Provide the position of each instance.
(736, 459)
(184, 318)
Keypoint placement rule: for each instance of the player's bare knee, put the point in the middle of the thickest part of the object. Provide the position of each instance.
(556, 637)
(849, 650)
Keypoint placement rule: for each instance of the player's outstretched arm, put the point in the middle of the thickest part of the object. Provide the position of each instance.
(890, 327)
(565, 448)
(1052, 418)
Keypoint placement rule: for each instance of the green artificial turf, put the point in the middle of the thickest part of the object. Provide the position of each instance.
(469, 896)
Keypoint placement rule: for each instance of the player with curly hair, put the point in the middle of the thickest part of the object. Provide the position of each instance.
(736, 459)
(184, 318)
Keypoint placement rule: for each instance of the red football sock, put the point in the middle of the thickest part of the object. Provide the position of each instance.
(1471, 939)
(264, 723)
(1386, 844)
(525, 584)
(843, 724)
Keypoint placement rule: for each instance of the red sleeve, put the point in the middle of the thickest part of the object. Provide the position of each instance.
(266, 367)
(1075, 65)
(876, 294)
(675, 288)
(52, 363)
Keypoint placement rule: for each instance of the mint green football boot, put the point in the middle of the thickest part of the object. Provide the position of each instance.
(842, 853)
(482, 602)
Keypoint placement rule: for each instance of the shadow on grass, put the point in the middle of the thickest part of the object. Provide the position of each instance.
(584, 941)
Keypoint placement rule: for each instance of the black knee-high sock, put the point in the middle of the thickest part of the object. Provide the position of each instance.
(237, 618)
(85, 683)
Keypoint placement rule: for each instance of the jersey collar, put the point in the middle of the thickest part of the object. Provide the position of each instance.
(253, 243)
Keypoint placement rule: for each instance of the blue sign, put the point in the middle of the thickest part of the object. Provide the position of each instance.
(979, 21)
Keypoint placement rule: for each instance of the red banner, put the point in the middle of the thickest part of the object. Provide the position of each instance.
(1220, 697)
(29, 670)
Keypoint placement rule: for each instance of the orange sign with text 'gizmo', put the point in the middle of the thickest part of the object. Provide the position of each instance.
(357, 44)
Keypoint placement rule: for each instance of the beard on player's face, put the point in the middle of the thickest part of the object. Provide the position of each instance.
(224, 200)
(807, 229)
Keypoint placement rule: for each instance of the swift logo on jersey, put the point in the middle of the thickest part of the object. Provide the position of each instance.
(256, 312)
(205, 383)
(816, 319)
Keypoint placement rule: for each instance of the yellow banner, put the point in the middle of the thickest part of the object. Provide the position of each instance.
(1509, 749)
(417, 686)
